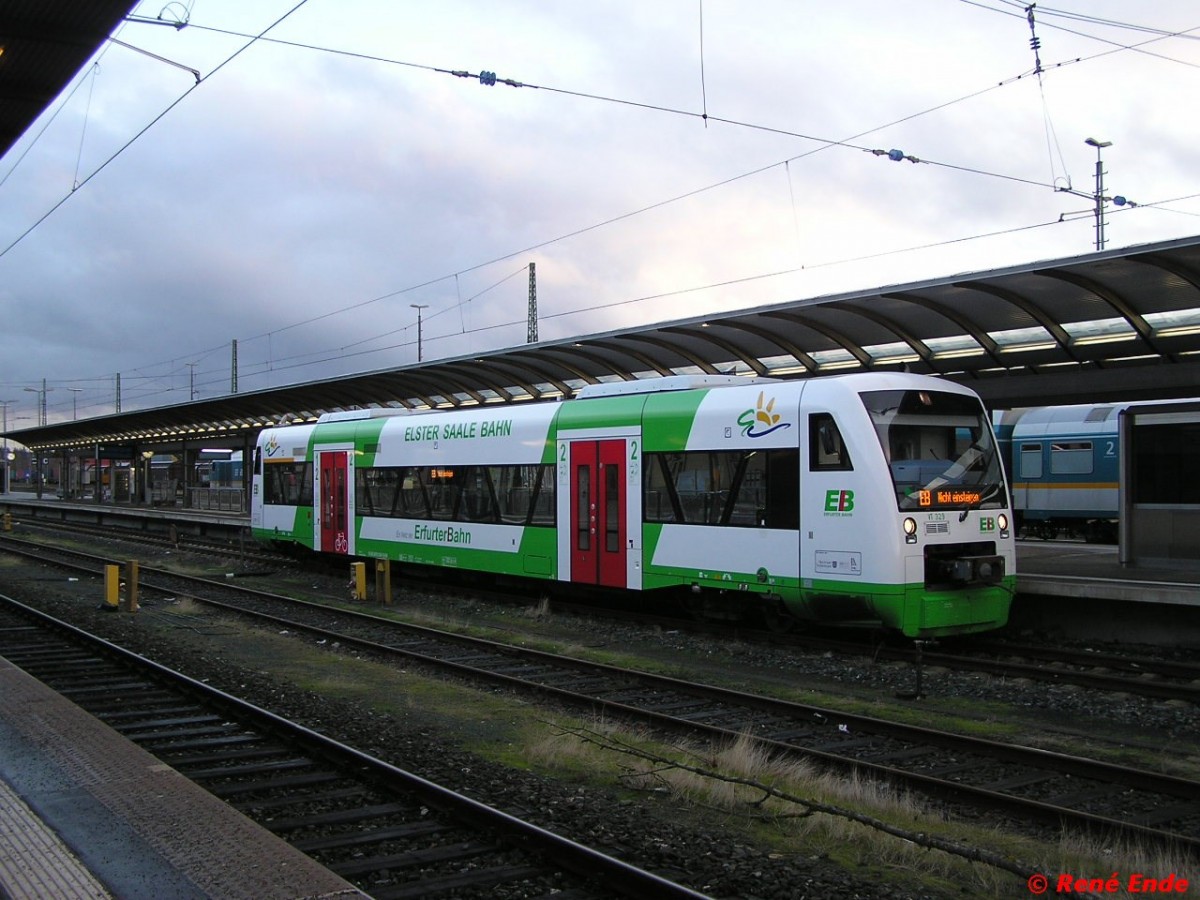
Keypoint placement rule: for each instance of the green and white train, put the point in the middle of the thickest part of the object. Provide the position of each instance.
(864, 498)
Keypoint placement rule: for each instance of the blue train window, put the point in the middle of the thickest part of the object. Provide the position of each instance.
(1071, 458)
(1031, 461)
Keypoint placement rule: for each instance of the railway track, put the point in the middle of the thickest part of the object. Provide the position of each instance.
(1050, 787)
(1156, 677)
(389, 832)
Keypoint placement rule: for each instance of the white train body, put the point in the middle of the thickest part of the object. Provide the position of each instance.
(871, 497)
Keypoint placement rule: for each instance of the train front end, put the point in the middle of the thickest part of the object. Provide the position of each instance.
(951, 511)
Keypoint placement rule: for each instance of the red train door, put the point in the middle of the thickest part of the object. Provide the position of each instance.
(335, 497)
(598, 513)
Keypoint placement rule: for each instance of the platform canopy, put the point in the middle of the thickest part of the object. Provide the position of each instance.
(1116, 325)
(43, 43)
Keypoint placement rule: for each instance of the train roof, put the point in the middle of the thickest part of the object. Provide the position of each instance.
(1083, 418)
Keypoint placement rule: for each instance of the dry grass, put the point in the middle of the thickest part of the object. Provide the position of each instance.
(855, 820)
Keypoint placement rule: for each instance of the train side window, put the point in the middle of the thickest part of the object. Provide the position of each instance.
(826, 450)
(442, 488)
(544, 510)
(1071, 458)
(783, 489)
(288, 484)
(477, 502)
(412, 499)
(740, 488)
(1031, 461)
(376, 491)
(524, 494)
(659, 501)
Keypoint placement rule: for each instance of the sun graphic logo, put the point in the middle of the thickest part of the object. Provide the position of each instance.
(762, 420)
(271, 446)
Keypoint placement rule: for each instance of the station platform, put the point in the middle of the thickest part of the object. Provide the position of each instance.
(1067, 569)
(85, 813)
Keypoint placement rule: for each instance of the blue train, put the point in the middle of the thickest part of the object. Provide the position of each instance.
(1064, 465)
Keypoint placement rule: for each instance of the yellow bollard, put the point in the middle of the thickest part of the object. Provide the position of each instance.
(112, 587)
(383, 581)
(358, 580)
(7, 520)
(132, 606)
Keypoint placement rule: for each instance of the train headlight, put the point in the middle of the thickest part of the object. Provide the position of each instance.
(1002, 521)
(910, 530)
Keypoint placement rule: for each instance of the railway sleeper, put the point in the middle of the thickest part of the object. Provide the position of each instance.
(291, 783)
(338, 816)
(1159, 815)
(241, 771)
(407, 831)
(456, 852)
(447, 884)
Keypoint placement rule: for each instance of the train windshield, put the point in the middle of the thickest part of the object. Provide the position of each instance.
(940, 449)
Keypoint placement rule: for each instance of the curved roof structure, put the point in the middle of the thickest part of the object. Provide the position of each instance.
(43, 43)
(1122, 325)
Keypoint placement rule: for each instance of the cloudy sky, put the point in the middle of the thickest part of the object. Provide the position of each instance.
(662, 160)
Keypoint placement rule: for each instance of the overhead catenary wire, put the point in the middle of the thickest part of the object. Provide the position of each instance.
(491, 79)
(158, 118)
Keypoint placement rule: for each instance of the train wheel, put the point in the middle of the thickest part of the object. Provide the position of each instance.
(777, 619)
(1045, 530)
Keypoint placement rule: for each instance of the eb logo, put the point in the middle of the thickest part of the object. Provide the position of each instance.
(839, 501)
(987, 523)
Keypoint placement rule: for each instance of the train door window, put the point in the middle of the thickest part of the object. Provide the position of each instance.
(1031, 461)
(583, 530)
(827, 450)
(340, 482)
(612, 508)
(1071, 458)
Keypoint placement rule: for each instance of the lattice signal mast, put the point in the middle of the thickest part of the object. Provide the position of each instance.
(531, 336)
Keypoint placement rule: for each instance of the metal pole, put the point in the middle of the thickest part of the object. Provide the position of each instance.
(4, 476)
(1100, 198)
(418, 307)
(41, 392)
(531, 332)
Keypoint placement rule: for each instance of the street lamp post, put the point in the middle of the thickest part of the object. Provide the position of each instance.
(1100, 198)
(418, 307)
(75, 392)
(41, 392)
